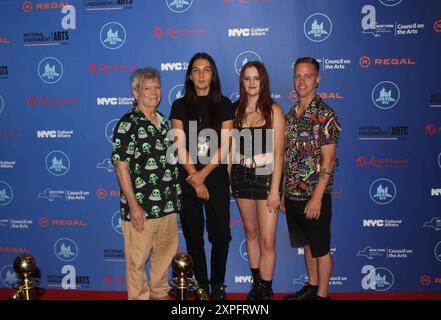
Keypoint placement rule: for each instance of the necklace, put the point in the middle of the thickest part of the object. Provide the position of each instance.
(251, 112)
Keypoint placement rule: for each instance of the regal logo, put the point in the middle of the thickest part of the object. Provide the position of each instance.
(330, 95)
(425, 280)
(68, 222)
(27, 6)
(365, 62)
(50, 5)
(437, 26)
(394, 61)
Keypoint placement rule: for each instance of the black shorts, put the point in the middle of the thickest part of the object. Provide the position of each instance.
(246, 184)
(315, 233)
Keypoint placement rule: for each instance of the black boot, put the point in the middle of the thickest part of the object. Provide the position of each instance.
(254, 293)
(218, 291)
(266, 290)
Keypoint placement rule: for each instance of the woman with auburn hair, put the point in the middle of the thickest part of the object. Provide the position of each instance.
(256, 171)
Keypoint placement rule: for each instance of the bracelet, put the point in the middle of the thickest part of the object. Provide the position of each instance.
(323, 173)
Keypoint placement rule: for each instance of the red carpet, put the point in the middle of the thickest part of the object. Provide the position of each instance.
(101, 295)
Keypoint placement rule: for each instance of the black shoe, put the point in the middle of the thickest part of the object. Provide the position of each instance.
(206, 289)
(218, 292)
(316, 297)
(254, 293)
(201, 294)
(266, 293)
(308, 292)
(198, 291)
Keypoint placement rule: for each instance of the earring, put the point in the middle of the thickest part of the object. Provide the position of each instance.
(317, 85)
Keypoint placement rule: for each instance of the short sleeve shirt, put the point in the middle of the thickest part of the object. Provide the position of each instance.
(179, 112)
(317, 126)
(154, 171)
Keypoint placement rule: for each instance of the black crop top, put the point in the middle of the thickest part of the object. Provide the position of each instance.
(252, 140)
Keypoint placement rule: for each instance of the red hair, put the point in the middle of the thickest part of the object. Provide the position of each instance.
(264, 102)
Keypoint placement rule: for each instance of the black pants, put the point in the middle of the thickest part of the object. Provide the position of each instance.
(217, 214)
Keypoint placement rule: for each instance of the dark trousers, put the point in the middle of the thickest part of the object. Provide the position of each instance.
(217, 216)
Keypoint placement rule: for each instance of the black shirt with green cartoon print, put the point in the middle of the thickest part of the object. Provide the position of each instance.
(154, 173)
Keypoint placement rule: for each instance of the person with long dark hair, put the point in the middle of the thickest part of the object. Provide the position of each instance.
(198, 118)
(256, 173)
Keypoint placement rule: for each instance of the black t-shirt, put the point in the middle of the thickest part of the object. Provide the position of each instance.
(201, 140)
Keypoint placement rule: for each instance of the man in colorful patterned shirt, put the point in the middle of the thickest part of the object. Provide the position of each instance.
(150, 190)
(312, 133)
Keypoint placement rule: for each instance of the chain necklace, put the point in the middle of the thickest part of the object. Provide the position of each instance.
(251, 112)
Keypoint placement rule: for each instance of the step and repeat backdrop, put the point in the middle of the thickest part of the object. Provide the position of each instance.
(64, 70)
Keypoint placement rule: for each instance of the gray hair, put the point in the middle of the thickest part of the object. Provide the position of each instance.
(144, 73)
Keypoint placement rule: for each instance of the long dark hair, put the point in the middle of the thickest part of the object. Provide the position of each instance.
(214, 95)
(264, 102)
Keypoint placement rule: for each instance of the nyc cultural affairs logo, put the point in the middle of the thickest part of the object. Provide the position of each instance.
(317, 27)
(57, 163)
(50, 70)
(385, 95)
(382, 191)
(6, 193)
(179, 6)
(243, 58)
(113, 35)
(66, 249)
